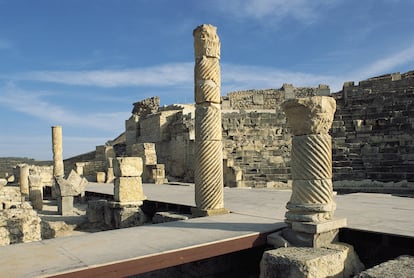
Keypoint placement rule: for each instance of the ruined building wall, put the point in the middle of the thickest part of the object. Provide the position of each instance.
(256, 139)
(373, 133)
(171, 128)
(373, 130)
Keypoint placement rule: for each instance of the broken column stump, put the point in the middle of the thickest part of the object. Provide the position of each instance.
(36, 191)
(67, 189)
(128, 193)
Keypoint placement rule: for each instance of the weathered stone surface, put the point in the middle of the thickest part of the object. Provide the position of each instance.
(312, 115)
(24, 178)
(315, 228)
(337, 260)
(155, 174)
(206, 41)
(128, 167)
(100, 177)
(53, 229)
(401, 267)
(72, 186)
(36, 192)
(146, 151)
(166, 216)
(305, 239)
(128, 189)
(208, 122)
(311, 157)
(110, 176)
(65, 205)
(19, 225)
(129, 217)
(3, 182)
(208, 171)
(147, 106)
(209, 175)
(96, 211)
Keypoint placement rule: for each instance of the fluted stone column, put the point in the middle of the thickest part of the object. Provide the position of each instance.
(312, 195)
(58, 170)
(208, 146)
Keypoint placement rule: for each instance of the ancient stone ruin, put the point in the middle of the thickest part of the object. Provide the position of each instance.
(309, 244)
(208, 176)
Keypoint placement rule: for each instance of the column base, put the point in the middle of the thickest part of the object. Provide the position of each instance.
(197, 212)
(308, 234)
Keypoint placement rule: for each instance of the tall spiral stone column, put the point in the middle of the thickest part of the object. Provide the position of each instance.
(58, 170)
(311, 202)
(208, 146)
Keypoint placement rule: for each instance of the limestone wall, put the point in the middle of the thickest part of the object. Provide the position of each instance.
(373, 131)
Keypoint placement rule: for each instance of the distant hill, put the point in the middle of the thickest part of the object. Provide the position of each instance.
(7, 163)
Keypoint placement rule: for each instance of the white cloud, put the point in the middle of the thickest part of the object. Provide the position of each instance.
(240, 77)
(389, 63)
(276, 10)
(156, 76)
(34, 104)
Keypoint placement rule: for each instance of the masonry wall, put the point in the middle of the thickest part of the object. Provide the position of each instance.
(373, 131)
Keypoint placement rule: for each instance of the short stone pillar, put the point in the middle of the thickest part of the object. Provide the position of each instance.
(128, 192)
(67, 189)
(36, 191)
(24, 179)
(208, 173)
(311, 206)
(58, 170)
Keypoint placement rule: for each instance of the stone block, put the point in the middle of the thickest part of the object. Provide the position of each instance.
(146, 151)
(129, 217)
(100, 177)
(128, 189)
(110, 175)
(36, 197)
(403, 266)
(336, 260)
(128, 166)
(321, 227)
(95, 211)
(65, 205)
(310, 240)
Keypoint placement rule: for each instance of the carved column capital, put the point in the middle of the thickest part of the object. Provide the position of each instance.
(310, 115)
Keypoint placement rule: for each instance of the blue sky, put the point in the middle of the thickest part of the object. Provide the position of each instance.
(81, 64)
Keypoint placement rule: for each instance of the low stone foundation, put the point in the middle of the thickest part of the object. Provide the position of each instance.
(403, 266)
(19, 225)
(335, 260)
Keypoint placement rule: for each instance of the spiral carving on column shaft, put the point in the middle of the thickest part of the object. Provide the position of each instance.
(312, 192)
(311, 157)
(208, 123)
(207, 93)
(208, 175)
(208, 69)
